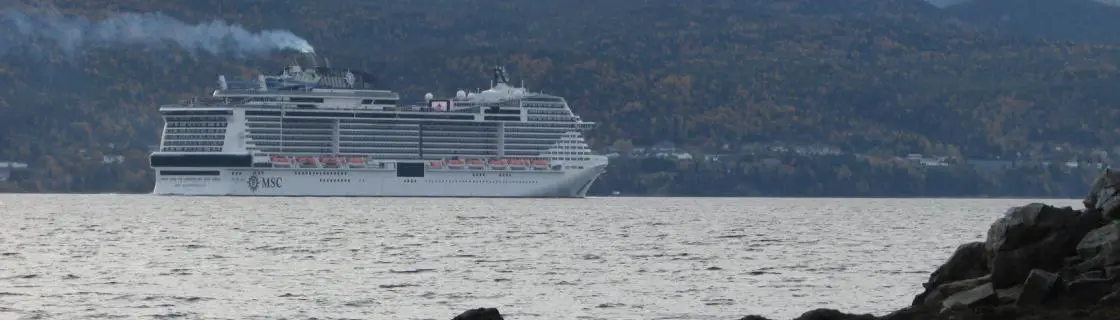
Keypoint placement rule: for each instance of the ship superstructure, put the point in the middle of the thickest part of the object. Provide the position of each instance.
(321, 131)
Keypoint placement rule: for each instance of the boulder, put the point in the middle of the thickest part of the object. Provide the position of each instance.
(1112, 272)
(1089, 290)
(1039, 287)
(1035, 236)
(1101, 244)
(912, 313)
(1095, 189)
(983, 295)
(1103, 197)
(967, 262)
(831, 314)
(480, 314)
(1110, 299)
(1009, 295)
(939, 294)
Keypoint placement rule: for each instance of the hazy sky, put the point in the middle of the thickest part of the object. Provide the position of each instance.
(942, 3)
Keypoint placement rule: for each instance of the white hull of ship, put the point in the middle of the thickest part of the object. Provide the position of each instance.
(570, 183)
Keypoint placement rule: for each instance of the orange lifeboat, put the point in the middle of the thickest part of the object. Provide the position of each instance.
(436, 164)
(329, 161)
(356, 161)
(281, 161)
(306, 161)
(475, 164)
(498, 163)
(455, 164)
(540, 164)
(517, 164)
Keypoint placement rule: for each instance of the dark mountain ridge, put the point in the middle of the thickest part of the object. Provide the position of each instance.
(1082, 21)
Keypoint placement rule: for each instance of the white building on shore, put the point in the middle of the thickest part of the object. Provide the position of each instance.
(6, 169)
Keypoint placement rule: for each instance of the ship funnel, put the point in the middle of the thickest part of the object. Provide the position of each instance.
(261, 82)
(499, 76)
(222, 82)
(314, 60)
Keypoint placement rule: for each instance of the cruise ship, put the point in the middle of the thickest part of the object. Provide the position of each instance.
(322, 131)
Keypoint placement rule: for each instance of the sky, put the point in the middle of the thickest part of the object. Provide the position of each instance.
(943, 3)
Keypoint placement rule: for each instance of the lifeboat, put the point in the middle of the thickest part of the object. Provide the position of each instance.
(356, 161)
(498, 163)
(517, 164)
(306, 161)
(436, 164)
(328, 161)
(455, 164)
(540, 164)
(475, 164)
(281, 161)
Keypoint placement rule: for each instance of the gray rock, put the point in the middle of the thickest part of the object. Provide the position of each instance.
(1112, 272)
(1110, 209)
(1090, 290)
(831, 314)
(1099, 184)
(1027, 224)
(1100, 241)
(1103, 197)
(1092, 275)
(1009, 295)
(983, 295)
(1039, 287)
(1035, 236)
(938, 295)
(480, 314)
(1110, 299)
(967, 262)
(912, 313)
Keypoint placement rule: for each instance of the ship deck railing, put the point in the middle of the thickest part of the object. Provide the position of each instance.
(209, 102)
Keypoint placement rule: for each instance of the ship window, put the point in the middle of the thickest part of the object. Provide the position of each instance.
(197, 112)
(410, 170)
(303, 99)
(201, 160)
(189, 173)
(262, 113)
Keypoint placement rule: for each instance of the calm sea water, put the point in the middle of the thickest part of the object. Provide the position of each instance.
(138, 256)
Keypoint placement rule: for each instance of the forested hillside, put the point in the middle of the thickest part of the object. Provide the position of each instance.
(1083, 21)
(868, 76)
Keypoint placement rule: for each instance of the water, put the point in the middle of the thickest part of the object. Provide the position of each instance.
(138, 256)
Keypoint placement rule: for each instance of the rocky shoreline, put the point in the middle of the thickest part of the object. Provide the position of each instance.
(1037, 262)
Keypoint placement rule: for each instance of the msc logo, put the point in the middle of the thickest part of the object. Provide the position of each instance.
(255, 182)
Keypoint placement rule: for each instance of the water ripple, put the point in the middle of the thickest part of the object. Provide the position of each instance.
(105, 257)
